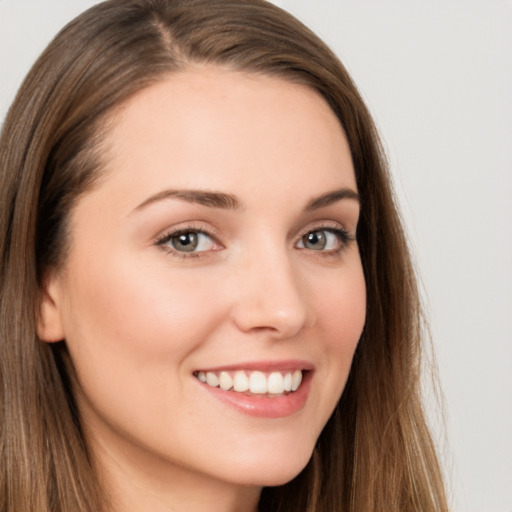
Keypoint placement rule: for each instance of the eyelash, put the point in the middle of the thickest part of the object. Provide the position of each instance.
(343, 236)
(167, 237)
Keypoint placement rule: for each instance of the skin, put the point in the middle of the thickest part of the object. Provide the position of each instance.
(140, 317)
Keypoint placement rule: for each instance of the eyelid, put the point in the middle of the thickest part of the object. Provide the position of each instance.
(326, 224)
(194, 227)
(346, 237)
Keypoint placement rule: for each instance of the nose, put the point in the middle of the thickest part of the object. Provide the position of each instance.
(271, 297)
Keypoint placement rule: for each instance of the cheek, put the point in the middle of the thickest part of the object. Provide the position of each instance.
(131, 318)
(130, 330)
(129, 303)
(341, 314)
(342, 310)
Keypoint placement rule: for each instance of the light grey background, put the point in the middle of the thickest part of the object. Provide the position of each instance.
(437, 75)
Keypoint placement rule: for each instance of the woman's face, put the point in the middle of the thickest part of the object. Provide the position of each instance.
(219, 245)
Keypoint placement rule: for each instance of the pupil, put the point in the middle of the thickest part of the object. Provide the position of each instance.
(186, 242)
(316, 240)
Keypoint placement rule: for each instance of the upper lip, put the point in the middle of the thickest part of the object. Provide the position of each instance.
(263, 366)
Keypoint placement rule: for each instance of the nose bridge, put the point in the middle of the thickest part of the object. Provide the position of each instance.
(272, 295)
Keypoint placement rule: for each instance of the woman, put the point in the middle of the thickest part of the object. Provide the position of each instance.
(200, 255)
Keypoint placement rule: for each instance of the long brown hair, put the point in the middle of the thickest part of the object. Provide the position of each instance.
(375, 453)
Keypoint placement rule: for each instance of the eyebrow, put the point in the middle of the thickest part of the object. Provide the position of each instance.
(230, 202)
(330, 198)
(203, 197)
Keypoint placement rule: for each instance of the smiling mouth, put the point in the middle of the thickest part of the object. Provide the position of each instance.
(253, 383)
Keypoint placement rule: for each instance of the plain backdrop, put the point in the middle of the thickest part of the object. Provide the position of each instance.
(437, 75)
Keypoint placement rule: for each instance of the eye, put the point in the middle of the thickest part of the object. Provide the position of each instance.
(188, 241)
(327, 240)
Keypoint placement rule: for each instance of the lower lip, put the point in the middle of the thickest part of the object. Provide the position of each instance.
(264, 406)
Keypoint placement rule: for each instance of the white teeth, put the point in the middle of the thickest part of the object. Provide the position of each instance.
(296, 380)
(225, 381)
(240, 382)
(287, 382)
(258, 383)
(212, 379)
(274, 383)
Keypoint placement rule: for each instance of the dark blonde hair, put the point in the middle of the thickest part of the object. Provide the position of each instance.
(375, 453)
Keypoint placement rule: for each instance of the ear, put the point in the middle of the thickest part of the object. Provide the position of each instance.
(49, 321)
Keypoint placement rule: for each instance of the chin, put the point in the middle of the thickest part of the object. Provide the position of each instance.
(275, 479)
(269, 472)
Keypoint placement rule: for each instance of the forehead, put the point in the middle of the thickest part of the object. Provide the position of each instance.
(213, 128)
